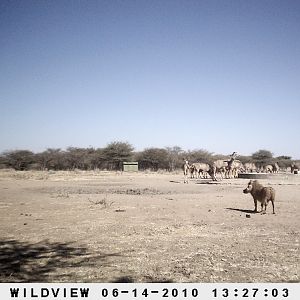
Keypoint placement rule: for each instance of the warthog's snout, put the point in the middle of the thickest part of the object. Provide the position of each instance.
(246, 191)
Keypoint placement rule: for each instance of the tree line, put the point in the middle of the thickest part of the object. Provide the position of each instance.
(114, 154)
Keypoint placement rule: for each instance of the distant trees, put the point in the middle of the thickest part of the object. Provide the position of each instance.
(171, 158)
(115, 153)
(284, 161)
(265, 157)
(174, 157)
(49, 159)
(78, 158)
(18, 159)
(200, 155)
(110, 157)
(262, 158)
(245, 159)
(154, 159)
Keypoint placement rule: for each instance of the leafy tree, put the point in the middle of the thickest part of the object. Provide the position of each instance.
(94, 159)
(262, 157)
(284, 157)
(19, 159)
(48, 159)
(200, 155)
(75, 158)
(117, 152)
(154, 159)
(3, 161)
(284, 161)
(174, 157)
(220, 156)
(244, 158)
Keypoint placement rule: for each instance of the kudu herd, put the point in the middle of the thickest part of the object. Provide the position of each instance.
(228, 168)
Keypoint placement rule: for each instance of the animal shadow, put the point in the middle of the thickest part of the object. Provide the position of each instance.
(35, 262)
(207, 181)
(124, 279)
(247, 211)
(147, 279)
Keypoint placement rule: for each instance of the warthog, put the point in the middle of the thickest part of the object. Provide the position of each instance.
(200, 170)
(261, 194)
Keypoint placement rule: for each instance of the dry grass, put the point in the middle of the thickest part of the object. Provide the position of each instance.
(144, 227)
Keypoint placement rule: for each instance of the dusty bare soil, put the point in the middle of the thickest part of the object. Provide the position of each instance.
(144, 227)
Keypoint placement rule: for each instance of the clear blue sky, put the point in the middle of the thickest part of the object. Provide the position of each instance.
(217, 75)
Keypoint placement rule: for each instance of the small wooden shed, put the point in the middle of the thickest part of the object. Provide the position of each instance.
(132, 166)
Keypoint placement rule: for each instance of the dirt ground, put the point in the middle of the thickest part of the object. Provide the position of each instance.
(144, 227)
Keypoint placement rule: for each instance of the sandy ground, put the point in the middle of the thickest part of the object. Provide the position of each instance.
(144, 227)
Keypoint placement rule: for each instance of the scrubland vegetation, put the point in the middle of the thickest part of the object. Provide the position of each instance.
(112, 156)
